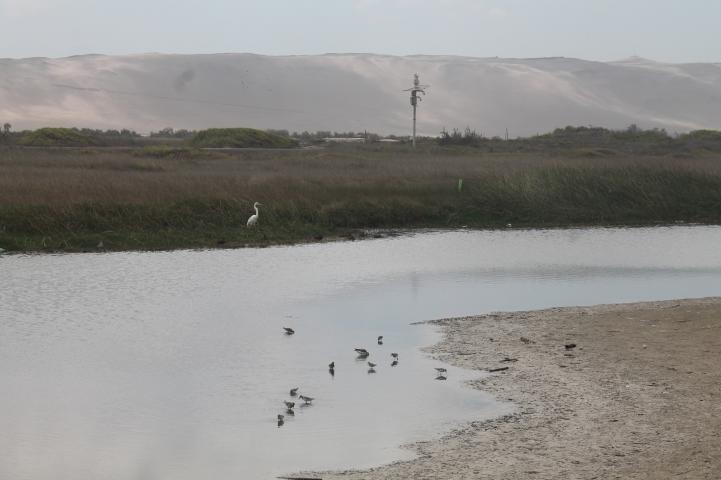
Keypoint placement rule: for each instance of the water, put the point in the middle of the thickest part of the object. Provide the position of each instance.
(174, 365)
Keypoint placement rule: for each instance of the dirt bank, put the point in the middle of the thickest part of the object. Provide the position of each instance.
(639, 397)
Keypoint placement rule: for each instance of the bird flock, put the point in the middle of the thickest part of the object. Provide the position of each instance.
(362, 354)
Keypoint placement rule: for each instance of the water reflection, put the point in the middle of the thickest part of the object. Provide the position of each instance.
(159, 365)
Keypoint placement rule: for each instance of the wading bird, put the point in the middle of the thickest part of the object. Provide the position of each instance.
(288, 404)
(394, 355)
(331, 365)
(362, 352)
(380, 340)
(294, 392)
(307, 400)
(254, 218)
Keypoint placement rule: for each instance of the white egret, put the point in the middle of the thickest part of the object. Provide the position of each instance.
(254, 218)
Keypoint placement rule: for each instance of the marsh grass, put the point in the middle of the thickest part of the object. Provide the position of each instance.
(133, 199)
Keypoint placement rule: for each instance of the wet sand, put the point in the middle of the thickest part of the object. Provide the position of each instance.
(639, 397)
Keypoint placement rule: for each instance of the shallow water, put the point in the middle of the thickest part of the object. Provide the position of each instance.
(174, 365)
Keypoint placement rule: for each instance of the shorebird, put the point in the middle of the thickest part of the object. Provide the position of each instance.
(394, 355)
(362, 352)
(289, 411)
(294, 392)
(394, 363)
(254, 218)
(441, 370)
(288, 331)
(280, 417)
(372, 365)
(288, 404)
(380, 339)
(331, 365)
(441, 377)
(307, 400)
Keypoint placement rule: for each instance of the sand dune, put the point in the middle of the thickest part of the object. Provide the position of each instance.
(356, 92)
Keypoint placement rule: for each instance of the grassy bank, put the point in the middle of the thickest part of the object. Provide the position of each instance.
(74, 200)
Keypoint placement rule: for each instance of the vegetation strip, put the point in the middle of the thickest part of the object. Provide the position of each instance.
(165, 196)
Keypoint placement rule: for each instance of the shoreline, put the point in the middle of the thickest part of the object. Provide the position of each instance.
(638, 397)
(337, 236)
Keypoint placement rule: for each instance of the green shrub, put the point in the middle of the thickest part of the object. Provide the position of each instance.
(57, 137)
(240, 138)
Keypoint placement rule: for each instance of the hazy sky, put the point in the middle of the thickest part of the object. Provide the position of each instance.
(666, 30)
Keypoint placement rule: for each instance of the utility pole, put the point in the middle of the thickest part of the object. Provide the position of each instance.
(415, 90)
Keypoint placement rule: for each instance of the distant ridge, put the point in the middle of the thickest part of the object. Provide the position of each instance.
(356, 92)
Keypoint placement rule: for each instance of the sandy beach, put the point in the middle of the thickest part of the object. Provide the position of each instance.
(638, 397)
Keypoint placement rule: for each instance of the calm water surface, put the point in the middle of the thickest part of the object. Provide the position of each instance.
(174, 365)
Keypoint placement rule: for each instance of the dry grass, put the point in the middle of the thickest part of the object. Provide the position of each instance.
(63, 177)
(63, 196)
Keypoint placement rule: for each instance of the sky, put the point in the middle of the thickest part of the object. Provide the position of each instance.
(662, 30)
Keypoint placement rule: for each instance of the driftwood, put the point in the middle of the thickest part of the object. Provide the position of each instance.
(499, 369)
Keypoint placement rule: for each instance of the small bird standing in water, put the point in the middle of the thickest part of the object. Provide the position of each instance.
(288, 331)
(372, 365)
(307, 400)
(380, 339)
(288, 404)
(294, 392)
(441, 370)
(362, 352)
(331, 365)
(394, 363)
